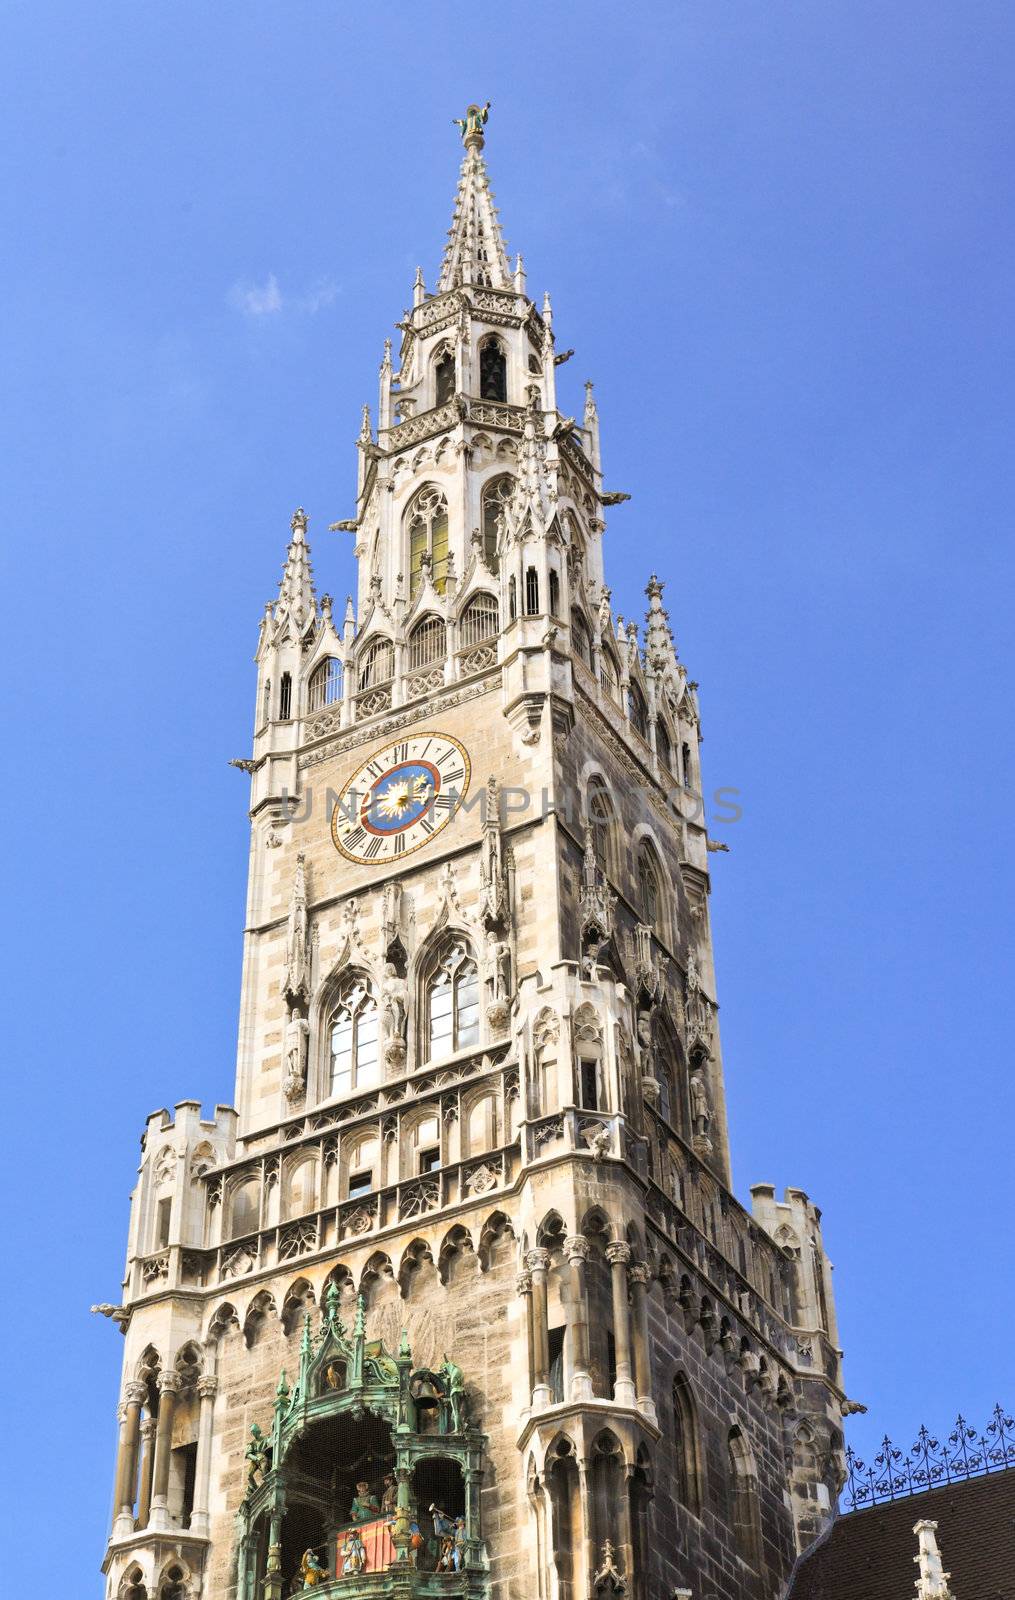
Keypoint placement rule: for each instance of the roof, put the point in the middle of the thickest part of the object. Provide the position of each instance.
(870, 1554)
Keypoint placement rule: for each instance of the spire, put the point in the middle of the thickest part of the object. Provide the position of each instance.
(297, 602)
(660, 651)
(475, 251)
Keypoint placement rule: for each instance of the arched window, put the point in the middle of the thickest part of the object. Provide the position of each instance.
(352, 1032)
(244, 1208)
(496, 496)
(600, 815)
(636, 711)
(492, 370)
(481, 1130)
(174, 1585)
(609, 675)
(479, 621)
(301, 1190)
(266, 703)
(649, 894)
(325, 684)
(512, 599)
(427, 521)
(361, 1166)
(285, 698)
(746, 1515)
(581, 639)
(531, 592)
(423, 1148)
(687, 1445)
(685, 762)
(664, 750)
(452, 1002)
(427, 643)
(444, 376)
(378, 665)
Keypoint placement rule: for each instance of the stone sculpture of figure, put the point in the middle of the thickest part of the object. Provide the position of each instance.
(389, 1495)
(297, 1035)
(354, 1555)
(314, 1571)
(394, 991)
(454, 1387)
(256, 1456)
(473, 121)
(365, 1506)
(701, 1110)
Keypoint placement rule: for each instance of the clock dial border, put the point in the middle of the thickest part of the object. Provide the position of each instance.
(386, 750)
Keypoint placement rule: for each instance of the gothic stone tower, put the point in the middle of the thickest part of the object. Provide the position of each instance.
(468, 1239)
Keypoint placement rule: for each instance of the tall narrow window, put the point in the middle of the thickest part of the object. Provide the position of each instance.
(266, 703)
(325, 684)
(492, 370)
(353, 1039)
(554, 592)
(664, 750)
(427, 520)
(285, 698)
(685, 762)
(244, 1210)
(744, 1497)
(496, 496)
(588, 1083)
(378, 665)
(531, 592)
(512, 599)
(452, 1003)
(637, 714)
(581, 639)
(444, 377)
(686, 1445)
(648, 886)
(609, 676)
(600, 815)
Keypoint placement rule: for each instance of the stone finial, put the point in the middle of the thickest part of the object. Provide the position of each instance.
(932, 1584)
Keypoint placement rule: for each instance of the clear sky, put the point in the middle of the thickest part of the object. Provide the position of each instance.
(780, 238)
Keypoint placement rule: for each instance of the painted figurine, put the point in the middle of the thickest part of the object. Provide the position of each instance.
(416, 1541)
(459, 1543)
(365, 1506)
(314, 1571)
(257, 1457)
(354, 1555)
(389, 1495)
(454, 1387)
(444, 1528)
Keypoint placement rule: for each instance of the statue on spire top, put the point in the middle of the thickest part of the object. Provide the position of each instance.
(472, 125)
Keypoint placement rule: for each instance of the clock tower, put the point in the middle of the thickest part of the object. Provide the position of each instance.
(458, 1297)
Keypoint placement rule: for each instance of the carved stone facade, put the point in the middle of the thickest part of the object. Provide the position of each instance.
(469, 1230)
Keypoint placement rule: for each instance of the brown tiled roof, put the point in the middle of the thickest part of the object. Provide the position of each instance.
(868, 1555)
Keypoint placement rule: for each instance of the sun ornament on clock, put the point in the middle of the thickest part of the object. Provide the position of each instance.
(400, 799)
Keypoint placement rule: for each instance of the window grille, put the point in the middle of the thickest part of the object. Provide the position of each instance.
(378, 665)
(325, 684)
(427, 643)
(480, 621)
(531, 592)
(285, 698)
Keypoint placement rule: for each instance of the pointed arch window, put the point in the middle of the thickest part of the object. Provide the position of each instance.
(479, 621)
(266, 703)
(664, 750)
(427, 522)
(636, 711)
(600, 815)
(554, 592)
(609, 675)
(685, 762)
(581, 638)
(352, 1039)
(512, 598)
(497, 495)
(378, 665)
(687, 1445)
(531, 592)
(452, 1002)
(746, 1514)
(427, 643)
(492, 370)
(444, 376)
(650, 899)
(325, 687)
(244, 1209)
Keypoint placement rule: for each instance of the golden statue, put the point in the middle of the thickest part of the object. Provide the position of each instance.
(313, 1571)
(472, 125)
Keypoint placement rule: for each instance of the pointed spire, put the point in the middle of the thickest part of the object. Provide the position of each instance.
(660, 650)
(418, 288)
(384, 394)
(475, 251)
(591, 425)
(297, 603)
(519, 274)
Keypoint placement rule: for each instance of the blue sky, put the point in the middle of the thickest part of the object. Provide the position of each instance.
(780, 238)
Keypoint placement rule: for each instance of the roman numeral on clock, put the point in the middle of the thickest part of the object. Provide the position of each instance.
(400, 844)
(373, 849)
(355, 838)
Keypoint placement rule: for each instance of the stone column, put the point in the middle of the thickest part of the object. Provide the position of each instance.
(638, 1276)
(169, 1389)
(144, 1499)
(524, 1287)
(537, 1262)
(273, 1579)
(207, 1388)
(134, 1396)
(618, 1254)
(577, 1250)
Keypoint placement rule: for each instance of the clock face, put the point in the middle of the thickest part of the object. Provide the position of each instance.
(401, 798)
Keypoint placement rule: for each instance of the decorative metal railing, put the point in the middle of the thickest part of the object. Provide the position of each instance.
(966, 1453)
